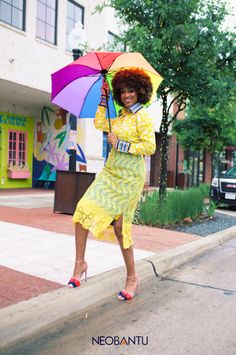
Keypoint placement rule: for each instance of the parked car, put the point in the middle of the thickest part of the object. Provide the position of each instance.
(223, 188)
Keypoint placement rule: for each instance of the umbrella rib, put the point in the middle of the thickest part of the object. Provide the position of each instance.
(101, 76)
(107, 68)
(90, 90)
(99, 61)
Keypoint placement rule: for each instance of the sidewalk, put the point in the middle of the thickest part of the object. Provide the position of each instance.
(37, 256)
(37, 246)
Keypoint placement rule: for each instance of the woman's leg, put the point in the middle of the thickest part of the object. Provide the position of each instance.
(81, 236)
(128, 255)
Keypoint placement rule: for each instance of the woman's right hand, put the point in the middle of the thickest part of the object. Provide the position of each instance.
(105, 90)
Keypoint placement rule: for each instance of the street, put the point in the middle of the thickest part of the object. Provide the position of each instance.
(189, 311)
(230, 211)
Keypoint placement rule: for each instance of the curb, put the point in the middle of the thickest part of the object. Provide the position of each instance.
(21, 321)
(169, 260)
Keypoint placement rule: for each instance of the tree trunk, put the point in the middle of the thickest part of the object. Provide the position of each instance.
(164, 148)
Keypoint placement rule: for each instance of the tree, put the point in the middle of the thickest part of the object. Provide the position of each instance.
(205, 128)
(184, 42)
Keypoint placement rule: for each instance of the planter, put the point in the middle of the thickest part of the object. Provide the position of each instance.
(170, 178)
(12, 174)
(69, 188)
(182, 180)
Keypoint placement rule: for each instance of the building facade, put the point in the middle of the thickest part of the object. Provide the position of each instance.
(34, 134)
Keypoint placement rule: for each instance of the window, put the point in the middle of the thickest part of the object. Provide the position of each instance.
(194, 165)
(47, 20)
(13, 13)
(111, 40)
(114, 43)
(234, 157)
(17, 148)
(75, 13)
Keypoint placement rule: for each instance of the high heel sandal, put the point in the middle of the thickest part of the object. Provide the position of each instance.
(76, 281)
(125, 295)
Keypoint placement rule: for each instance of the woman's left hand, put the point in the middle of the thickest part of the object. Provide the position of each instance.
(105, 90)
(112, 138)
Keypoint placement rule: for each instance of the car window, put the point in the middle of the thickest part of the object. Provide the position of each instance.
(231, 172)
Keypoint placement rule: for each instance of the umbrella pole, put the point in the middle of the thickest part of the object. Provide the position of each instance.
(109, 122)
(108, 110)
(108, 113)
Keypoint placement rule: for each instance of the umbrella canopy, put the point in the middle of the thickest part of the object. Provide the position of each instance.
(76, 87)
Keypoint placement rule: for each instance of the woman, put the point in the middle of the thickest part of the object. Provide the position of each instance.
(112, 198)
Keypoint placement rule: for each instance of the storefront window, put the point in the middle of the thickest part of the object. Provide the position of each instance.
(17, 148)
(194, 166)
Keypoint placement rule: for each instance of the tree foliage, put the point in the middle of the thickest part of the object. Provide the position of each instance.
(182, 40)
(207, 128)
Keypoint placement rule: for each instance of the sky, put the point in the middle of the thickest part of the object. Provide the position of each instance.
(231, 20)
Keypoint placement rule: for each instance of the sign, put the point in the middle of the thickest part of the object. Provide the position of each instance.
(13, 120)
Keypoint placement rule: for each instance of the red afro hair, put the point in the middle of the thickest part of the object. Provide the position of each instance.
(136, 79)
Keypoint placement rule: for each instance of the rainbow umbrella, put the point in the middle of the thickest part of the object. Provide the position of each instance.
(77, 86)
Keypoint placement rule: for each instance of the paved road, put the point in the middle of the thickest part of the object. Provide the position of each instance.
(191, 311)
(230, 211)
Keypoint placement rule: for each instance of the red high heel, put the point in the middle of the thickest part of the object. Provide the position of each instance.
(76, 281)
(125, 295)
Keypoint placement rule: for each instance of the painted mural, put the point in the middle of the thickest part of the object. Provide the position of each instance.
(52, 143)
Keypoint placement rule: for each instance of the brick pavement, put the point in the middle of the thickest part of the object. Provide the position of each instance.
(18, 286)
(23, 286)
(147, 238)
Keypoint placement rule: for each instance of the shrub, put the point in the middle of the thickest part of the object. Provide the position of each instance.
(210, 208)
(179, 204)
(205, 189)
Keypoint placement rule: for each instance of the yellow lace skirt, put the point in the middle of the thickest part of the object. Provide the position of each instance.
(115, 192)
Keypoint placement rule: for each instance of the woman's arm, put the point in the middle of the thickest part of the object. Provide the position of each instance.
(147, 143)
(101, 122)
